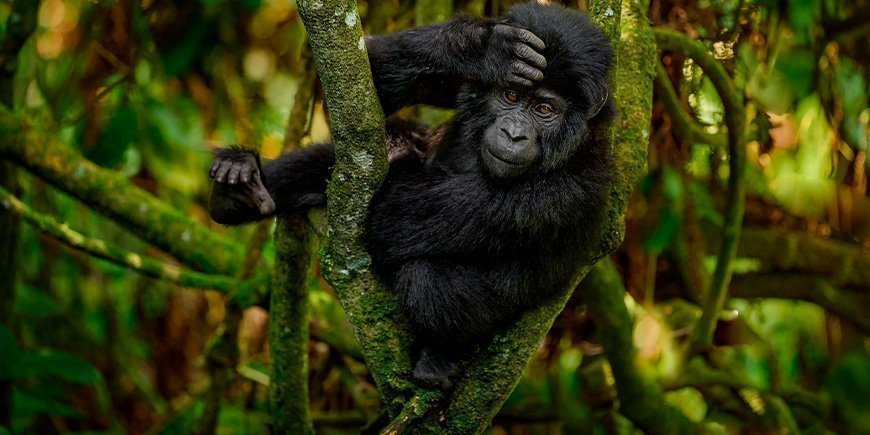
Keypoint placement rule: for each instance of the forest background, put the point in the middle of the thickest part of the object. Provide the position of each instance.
(737, 302)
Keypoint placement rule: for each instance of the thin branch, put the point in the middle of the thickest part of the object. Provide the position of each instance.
(289, 300)
(735, 120)
(850, 305)
(842, 264)
(299, 120)
(683, 124)
(414, 409)
(640, 399)
(141, 264)
(698, 373)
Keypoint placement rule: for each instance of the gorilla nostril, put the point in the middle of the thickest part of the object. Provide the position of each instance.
(515, 136)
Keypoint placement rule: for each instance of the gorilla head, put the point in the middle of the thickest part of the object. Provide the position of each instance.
(534, 129)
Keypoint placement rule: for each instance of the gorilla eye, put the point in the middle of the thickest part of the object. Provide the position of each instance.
(511, 96)
(544, 109)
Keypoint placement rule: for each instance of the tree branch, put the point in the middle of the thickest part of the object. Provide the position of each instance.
(361, 162)
(840, 263)
(849, 305)
(735, 119)
(113, 195)
(289, 299)
(113, 254)
(288, 328)
(640, 399)
(683, 124)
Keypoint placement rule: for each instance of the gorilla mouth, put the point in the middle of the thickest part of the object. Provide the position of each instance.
(501, 159)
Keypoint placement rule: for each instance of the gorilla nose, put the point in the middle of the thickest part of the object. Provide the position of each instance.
(514, 134)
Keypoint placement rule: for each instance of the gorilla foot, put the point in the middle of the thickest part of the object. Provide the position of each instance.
(435, 369)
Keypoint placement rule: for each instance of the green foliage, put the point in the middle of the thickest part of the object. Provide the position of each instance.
(35, 375)
(849, 386)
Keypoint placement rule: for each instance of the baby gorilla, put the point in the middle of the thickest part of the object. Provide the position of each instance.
(486, 217)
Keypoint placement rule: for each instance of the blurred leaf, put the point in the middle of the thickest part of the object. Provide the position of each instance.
(804, 16)
(28, 403)
(705, 206)
(68, 367)
(689, 401)
(121, 131)
(184, 422)
(236, 420)
(801, 181)
(706, 103)
(9, 366)
(849, 385)
(33, 303)
(797, 69)
(853, 90)
(770, 89)
(670, 216)
(179, 58)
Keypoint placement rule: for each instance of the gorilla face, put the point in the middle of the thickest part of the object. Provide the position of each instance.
(523, 120)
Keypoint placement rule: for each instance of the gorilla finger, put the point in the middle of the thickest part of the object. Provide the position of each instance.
(530, 56)
(222, 171)
(519, 81)
(529, 39)
(245, 174)
(528, 72)
(234, 173)
(214, 168)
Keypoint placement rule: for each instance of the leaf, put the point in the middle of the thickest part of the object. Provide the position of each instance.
(68, 367)
(849, 386)
(797, 68)
(28, 403)
(120, 133)
(33, 303)
(689, 401)
(179, 58)
(9, 366)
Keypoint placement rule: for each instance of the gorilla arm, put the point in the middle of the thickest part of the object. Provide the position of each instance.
(428, 64)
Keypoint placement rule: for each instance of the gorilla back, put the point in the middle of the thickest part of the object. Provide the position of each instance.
(487, 218)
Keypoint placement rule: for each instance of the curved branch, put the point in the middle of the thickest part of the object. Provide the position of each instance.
(735, 119)
(113, 254)
(682, 123)
(640, 399)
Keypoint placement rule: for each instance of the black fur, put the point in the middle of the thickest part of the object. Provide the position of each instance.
(467, 252)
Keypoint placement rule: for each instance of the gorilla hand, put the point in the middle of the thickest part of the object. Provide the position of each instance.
(238, 186)
(515, 55)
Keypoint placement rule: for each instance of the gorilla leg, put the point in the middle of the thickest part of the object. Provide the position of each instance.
(452, 307)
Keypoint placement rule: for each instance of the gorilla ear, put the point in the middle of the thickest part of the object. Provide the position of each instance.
(598, 103)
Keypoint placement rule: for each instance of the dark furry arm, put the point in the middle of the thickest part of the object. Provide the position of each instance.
(425, 65)
(429, 64)
(297, 179)
(245, 191)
